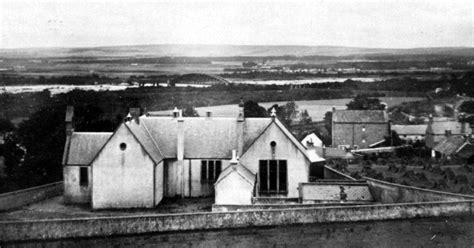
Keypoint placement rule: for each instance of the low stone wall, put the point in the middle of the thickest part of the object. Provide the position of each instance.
(386, 192)
(105, 226)
(20, 198)
(330, 173)
(334, 191)
(225, 208)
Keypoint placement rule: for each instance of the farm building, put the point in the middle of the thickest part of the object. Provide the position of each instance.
(456, 146)
(359, 128)
(312, 140)
(410, 133)
(438, 130)
(151, 157)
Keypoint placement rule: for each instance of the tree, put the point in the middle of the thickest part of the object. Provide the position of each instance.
(328, 122)
(363, 102)
(305, 118)
(190, 111)
(6, 126)
(286, 113)
(393, 139)
(252, 109)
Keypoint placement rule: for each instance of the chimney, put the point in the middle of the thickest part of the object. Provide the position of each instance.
(447, 132)
(175, 112)
(234, 161)
(208, 114)
(430, 118)
(240, 128)
(241, 116)
(69, 120)
(464, 127)
(333, 109)
(180, 153)
(135, 114)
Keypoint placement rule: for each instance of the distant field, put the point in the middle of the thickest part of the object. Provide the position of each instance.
(316, 108)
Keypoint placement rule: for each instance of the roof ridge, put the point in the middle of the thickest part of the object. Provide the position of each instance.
(141, 143)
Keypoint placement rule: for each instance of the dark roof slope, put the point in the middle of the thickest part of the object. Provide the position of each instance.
(450, 145)
(144, 138)
(359, 116)
(83, 147)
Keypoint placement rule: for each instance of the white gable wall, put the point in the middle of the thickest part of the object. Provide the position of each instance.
(233, 190)
(297, 164)
(123, 178)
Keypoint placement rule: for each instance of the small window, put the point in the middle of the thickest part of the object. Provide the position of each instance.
(123, 146)
(83, 177)
(210, 170)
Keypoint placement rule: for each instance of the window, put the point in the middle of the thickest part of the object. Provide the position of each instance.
(83, 177)
(316, 171)
(123, 146)
(210, 170)
(273, 176)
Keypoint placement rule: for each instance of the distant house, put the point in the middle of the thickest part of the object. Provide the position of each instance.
(455, 146)
(151, 157)
(410, 132)
(359, 128)
(438, 130)
(312, 140)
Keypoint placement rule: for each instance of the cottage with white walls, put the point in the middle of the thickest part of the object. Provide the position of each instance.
(151, 157)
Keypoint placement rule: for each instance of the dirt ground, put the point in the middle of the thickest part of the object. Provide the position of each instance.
(54, 208)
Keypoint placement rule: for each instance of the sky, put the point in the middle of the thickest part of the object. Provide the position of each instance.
(376, 24)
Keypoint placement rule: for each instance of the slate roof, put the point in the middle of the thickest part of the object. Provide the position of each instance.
(143, 136)
(441, 126)
(466, 150)
(359, 116)
(450, 145)
(241, 170)
(331, 152)
(84, 146)
(410, 129)
(204, 138)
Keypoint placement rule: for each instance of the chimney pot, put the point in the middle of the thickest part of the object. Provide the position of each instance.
(234, 159)
(175, 112)
(135, 114)
(69, 120)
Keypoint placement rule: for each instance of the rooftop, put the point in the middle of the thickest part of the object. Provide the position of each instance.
(360, 116)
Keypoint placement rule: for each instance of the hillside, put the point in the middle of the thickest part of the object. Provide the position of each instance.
(225, 51)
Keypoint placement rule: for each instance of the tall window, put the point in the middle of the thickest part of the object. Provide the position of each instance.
(210, 170)
(83, 177)
(273, 176)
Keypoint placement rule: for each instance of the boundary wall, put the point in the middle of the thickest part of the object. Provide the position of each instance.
(20, 198)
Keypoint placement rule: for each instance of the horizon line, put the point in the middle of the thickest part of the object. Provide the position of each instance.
(242, 45)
